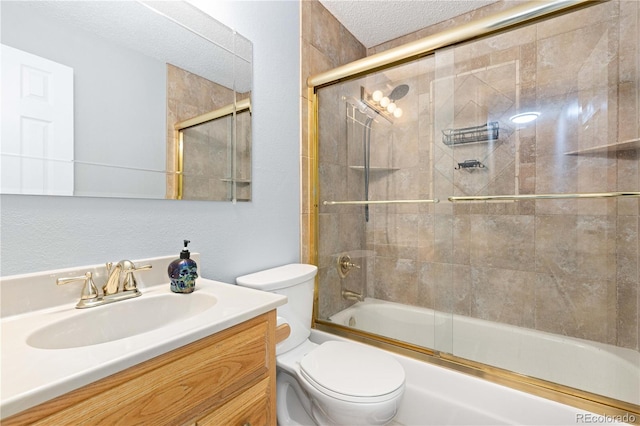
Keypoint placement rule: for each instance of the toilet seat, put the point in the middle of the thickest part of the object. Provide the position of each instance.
(352, 372)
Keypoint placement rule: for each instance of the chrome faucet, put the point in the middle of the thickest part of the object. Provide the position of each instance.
(117, 286)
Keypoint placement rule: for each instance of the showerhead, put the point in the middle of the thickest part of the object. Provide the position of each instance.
(399, 92)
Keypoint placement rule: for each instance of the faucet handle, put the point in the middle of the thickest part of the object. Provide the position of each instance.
(129, 268)
(345, 265)
(89, 289)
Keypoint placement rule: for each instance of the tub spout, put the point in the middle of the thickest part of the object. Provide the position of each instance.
(352, 295)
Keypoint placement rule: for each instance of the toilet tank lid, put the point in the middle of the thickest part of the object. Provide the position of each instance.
(280, 277)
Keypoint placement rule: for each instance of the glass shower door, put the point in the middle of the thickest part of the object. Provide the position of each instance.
(375, 196)
(529, 261)
(543, 241)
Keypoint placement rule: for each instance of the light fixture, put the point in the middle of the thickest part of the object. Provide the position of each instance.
(385, 105)
(524, 117)
(391, 107)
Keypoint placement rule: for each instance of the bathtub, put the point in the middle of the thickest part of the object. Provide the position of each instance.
(595, 367)
(437, 396)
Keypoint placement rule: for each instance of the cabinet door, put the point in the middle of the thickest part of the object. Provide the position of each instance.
(251, 408)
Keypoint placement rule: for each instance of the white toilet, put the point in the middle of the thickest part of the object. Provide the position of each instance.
(337, 383)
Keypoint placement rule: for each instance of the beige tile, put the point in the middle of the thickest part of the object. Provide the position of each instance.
(350, 48)
(629, 36)
(527, 178)
(503, 295)
(576, 245)
(329, 298)
(581, 306)
(445, 288)
(426, 238)
(321, 30)
(442, 241)
(313, 62)
(629, 111)
(503, 242)
(627, 323)
(585, 18)
(396, 280)
(462, 236)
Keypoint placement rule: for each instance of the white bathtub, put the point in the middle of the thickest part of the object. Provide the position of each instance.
(437, 396)
(595, 367)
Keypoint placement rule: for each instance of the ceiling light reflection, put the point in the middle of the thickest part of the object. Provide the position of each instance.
(525, 117)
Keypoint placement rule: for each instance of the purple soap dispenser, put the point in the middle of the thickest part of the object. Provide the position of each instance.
(183, 272)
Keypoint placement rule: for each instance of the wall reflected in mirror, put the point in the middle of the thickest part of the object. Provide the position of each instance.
(92, 92)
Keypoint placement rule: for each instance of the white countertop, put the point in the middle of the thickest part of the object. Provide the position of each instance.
(30, 376)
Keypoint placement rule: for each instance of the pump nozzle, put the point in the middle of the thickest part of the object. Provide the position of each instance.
(184, 254)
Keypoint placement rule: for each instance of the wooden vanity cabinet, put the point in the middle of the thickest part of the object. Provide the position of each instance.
(224, 379)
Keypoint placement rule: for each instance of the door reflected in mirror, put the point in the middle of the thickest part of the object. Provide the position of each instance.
(105, 126)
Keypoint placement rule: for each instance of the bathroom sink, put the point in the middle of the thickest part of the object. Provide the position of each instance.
(48, 348)
(119, 320)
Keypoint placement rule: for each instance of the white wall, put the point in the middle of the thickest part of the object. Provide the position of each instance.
(39, 233)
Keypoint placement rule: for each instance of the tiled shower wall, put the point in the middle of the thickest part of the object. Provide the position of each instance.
(568, 267)
(325, 44)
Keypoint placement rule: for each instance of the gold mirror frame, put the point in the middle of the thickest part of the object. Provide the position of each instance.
(517, 16)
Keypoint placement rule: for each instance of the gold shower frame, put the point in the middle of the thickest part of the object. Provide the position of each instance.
(508, 19)
(231, 109)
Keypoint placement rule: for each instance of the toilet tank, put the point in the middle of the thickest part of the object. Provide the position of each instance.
(296, 281)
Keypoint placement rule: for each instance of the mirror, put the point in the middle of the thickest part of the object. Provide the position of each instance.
(124, 99)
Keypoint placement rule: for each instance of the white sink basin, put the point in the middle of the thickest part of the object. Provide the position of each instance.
(119, 320)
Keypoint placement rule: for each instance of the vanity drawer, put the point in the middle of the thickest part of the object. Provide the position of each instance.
(174, 388)
(251, 408)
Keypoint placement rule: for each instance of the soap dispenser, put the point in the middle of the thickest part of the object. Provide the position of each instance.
(183, 272)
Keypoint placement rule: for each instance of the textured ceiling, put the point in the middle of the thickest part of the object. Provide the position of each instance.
(376, 21)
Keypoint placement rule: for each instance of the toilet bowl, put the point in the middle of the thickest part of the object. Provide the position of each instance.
(334, 383)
